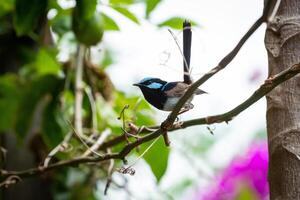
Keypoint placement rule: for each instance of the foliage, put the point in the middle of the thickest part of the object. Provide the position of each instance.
(27, 15)
(39, 94)
(157, 157)
(175, 22)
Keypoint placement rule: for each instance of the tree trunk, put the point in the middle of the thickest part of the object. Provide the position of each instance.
(283, 103)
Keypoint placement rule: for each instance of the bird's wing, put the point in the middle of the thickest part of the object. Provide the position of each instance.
(177, 89)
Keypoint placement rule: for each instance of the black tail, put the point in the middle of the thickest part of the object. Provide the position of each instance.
(187, 43)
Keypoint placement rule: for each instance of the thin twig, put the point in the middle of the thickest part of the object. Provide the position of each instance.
(222, 64)
(134, 130)
(93, 109)
(177, 43)
(58, 148)
(144, 152)
(3, 154)
(79, 89)
(269, 84)
(109, 174)
(168, 123)
(274, 11)
(10, 180)
(275, 6)
(227, 116)
(98, 143)
(83, 142)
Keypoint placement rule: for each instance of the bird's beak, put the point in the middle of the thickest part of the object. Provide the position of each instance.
(136, 84)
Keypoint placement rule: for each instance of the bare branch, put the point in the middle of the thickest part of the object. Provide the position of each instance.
(88, 92)
(98, 143)
(61, 146)
(222, 64)
(269, 84)
(265, 88)
(79, 88)
(168, 125)
(109, 174)
(10, 180)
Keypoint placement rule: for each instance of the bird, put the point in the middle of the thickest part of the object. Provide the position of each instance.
(164, 95)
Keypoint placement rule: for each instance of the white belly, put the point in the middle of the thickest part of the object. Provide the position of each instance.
(171, 102)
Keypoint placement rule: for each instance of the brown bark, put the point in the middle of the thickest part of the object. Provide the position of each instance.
(283, 103)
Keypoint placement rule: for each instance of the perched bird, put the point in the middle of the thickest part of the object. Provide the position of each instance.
(164, 95)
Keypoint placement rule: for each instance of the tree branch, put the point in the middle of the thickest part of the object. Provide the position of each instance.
(222, 64)
(265, 88)
(225, 117)
(79, 88)
(168, 125)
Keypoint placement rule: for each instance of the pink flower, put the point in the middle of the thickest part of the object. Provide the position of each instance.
(247, 173)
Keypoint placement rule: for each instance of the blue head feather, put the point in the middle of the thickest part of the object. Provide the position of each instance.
(152, 83)
(155, 85)
(144, 80)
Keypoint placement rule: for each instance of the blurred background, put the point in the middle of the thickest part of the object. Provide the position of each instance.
(38, 47)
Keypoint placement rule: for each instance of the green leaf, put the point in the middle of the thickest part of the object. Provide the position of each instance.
(157, 157)
(144, 118)
(125, 12)
(55, 5)
(118, 2)
(150, 6)
(27, 15)
(34, 92)
(109, 23)
(175, 22)
(10, 94)
(46, 62)
(106, 115)
(6, 6)
(52, 124)
(61, 23)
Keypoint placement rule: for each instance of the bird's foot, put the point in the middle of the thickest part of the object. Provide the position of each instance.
(189, 106)
(186, 108)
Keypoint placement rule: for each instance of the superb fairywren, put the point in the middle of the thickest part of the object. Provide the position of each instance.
(165, 95)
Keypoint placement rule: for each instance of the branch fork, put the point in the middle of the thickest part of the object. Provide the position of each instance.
(168, 124)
